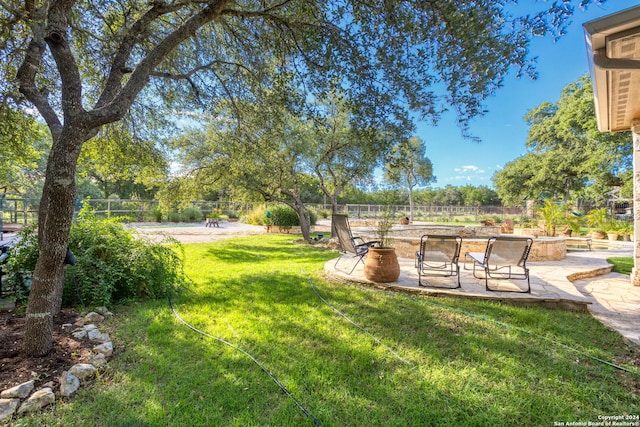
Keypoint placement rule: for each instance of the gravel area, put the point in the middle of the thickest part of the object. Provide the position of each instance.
(196, 233)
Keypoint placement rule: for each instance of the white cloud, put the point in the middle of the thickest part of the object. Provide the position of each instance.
(469, 169)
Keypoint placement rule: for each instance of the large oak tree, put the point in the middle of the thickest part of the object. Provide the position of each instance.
(84, 64)
(567, 152)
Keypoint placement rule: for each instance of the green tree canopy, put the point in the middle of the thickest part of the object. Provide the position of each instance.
(567, 152)
(24, 144)
(122, 163)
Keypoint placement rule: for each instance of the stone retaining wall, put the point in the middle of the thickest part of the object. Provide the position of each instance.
(543, 249)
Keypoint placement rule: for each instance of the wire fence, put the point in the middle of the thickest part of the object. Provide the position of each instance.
(23, 211)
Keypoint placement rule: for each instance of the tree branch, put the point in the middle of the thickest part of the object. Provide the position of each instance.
(56, 38)
(114, 103)
(28, 70)
(118, 67)
(195, 70)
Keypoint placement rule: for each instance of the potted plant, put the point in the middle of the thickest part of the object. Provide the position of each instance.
(597, 218)
(612, 232)
(626, 229)
(381, 264)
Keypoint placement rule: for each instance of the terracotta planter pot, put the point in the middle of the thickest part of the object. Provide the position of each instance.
(381, 265)
(613, 236)
(598, 235)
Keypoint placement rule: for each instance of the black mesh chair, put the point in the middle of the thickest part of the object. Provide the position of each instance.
(505, 258)
(438, 256)
(349, 244)
(4, 256)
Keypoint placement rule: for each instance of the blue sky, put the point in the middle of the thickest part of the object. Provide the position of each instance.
(458, 161)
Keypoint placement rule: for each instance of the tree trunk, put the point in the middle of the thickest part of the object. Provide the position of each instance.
(411, 207)
(305, 226)
(54, 222)
(334, 204)
(303, 217)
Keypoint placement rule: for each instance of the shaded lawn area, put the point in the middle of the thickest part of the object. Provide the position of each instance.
(468, 363)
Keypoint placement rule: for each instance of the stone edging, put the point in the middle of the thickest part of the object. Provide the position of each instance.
(20, 399)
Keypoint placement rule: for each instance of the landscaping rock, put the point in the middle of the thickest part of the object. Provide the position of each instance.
(20, 391)
(79, 333)
(83, 371)
(8, 407)
(94, 334)
(69, 384)
(98, 360)
(104, 311)
(92, 317)
(38, 400)
(105, 348)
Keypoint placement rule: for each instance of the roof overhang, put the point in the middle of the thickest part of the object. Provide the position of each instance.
(613, 46)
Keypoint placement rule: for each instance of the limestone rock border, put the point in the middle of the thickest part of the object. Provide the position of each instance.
(22, 399)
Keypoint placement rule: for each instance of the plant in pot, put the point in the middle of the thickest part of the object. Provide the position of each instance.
(626, 229)
(613, 230)
(597, 218)
(381, 264)
(574, 222)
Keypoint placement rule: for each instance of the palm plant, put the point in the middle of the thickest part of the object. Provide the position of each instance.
(553, 214)
(597, 218)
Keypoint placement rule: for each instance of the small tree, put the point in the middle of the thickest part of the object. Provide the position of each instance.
(408, 165)
(553, 214)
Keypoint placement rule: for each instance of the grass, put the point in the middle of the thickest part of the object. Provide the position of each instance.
(621, 265)
(461, 362)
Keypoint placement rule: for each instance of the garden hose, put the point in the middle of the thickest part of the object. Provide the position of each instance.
(355, 324)
(284, 389)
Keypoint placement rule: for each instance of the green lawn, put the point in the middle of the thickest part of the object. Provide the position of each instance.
(427, 361)
(621, 265)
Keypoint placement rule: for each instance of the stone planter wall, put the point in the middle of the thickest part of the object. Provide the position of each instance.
(543, 249)
(287, 230)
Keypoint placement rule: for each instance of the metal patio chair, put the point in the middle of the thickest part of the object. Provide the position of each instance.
(505, 258)
(349, 244)
(438, 256)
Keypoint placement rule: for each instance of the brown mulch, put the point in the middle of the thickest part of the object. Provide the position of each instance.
(67, 350)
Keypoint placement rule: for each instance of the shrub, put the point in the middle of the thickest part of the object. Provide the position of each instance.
(284, 216)
(111, 265)
(156, 214)
(174, 217)
(257, 216)
(191, 215)
(230, 214)
(22, 262)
